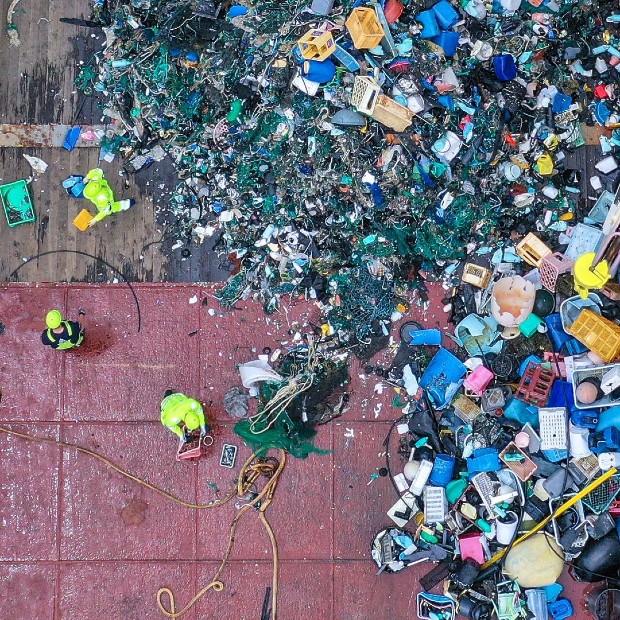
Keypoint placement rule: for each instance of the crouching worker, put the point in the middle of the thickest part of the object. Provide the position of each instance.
(61, 334)
(182, 415)
(99, 192)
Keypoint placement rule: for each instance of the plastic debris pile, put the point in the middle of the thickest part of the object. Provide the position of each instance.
(508, 445)
(392, 137)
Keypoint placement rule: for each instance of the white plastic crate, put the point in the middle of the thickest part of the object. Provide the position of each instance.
(552, 429)
(435, 505)
(364, 95)
(598, 372)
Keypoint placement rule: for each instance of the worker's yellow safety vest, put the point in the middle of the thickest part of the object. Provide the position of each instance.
(68, 344)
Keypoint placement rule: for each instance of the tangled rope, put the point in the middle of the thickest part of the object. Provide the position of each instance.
(265, 419)
(254, 468)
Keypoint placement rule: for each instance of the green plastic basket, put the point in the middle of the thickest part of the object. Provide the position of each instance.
(17, 203)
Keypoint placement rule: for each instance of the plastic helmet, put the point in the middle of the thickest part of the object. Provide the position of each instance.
(92, 189)
(192, 421)
(53, 319)
(96, 174)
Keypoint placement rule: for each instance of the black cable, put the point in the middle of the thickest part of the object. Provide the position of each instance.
(114, 269)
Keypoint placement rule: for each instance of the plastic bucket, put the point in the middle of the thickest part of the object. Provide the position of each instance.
(443, 470)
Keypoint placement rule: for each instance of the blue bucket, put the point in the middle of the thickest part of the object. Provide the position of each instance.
(443, 470)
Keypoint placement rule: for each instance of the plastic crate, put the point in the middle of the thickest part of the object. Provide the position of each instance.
(535, 385)
(391, 114)
(17, 203)
(551, 267)
(364, 28)
(317, 45)
(476, 275)
(364, 95)
(82, 220)
(581, 374)
(572, 307)
(598, 334)
(532, 250)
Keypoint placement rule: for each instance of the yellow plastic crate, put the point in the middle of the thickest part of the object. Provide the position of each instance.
(317, 45)
(365, 28)
(598, 334)
(532, 250)
(391, 114)
(476, 275)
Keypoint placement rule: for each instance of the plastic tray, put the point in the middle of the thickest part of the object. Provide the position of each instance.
(580, 374)
(598, 334)
(17, 203)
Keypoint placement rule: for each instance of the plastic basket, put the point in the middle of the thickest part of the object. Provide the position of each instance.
(551, 267)
(317, 45)
(581, 374)
(364, 95)
(571, 308)
(532, 250)
(600, 499)
(598, 334)
(535, 385)
(364, 28)
(17, 203)
(391, 114)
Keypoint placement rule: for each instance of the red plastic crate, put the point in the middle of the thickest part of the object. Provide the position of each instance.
(535, 385)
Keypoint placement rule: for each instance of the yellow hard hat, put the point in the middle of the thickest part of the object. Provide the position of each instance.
(53, 319)
(92, 189)
(192, 421)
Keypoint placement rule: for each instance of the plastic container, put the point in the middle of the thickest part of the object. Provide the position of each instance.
(551, 267)
(479, 380)
(428, 20)
(598, 334)
(476, 275)
(391, 114)
(535, 385)
(532, 250)
(448, 41)
(580, 374)
(364, 28)
(17, 203)
(393, 10)
(82, 220)
(364, 95)
(446, 15)
(316, 45)
(505, 67)
(443, 470)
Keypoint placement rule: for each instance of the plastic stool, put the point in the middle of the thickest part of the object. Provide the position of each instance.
(551, 267)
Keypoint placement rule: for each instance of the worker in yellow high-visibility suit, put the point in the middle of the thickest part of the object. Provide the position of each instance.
(99, 192)
(181, 414)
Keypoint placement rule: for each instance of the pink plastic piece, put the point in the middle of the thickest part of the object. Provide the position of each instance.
(471, 547)
(479, 380)
(551, 267)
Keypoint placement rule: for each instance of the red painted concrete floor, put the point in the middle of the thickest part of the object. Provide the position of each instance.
(80, 542)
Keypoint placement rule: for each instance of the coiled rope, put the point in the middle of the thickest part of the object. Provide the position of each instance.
(254, 468)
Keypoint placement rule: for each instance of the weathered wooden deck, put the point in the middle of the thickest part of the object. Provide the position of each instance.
(36, 87)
